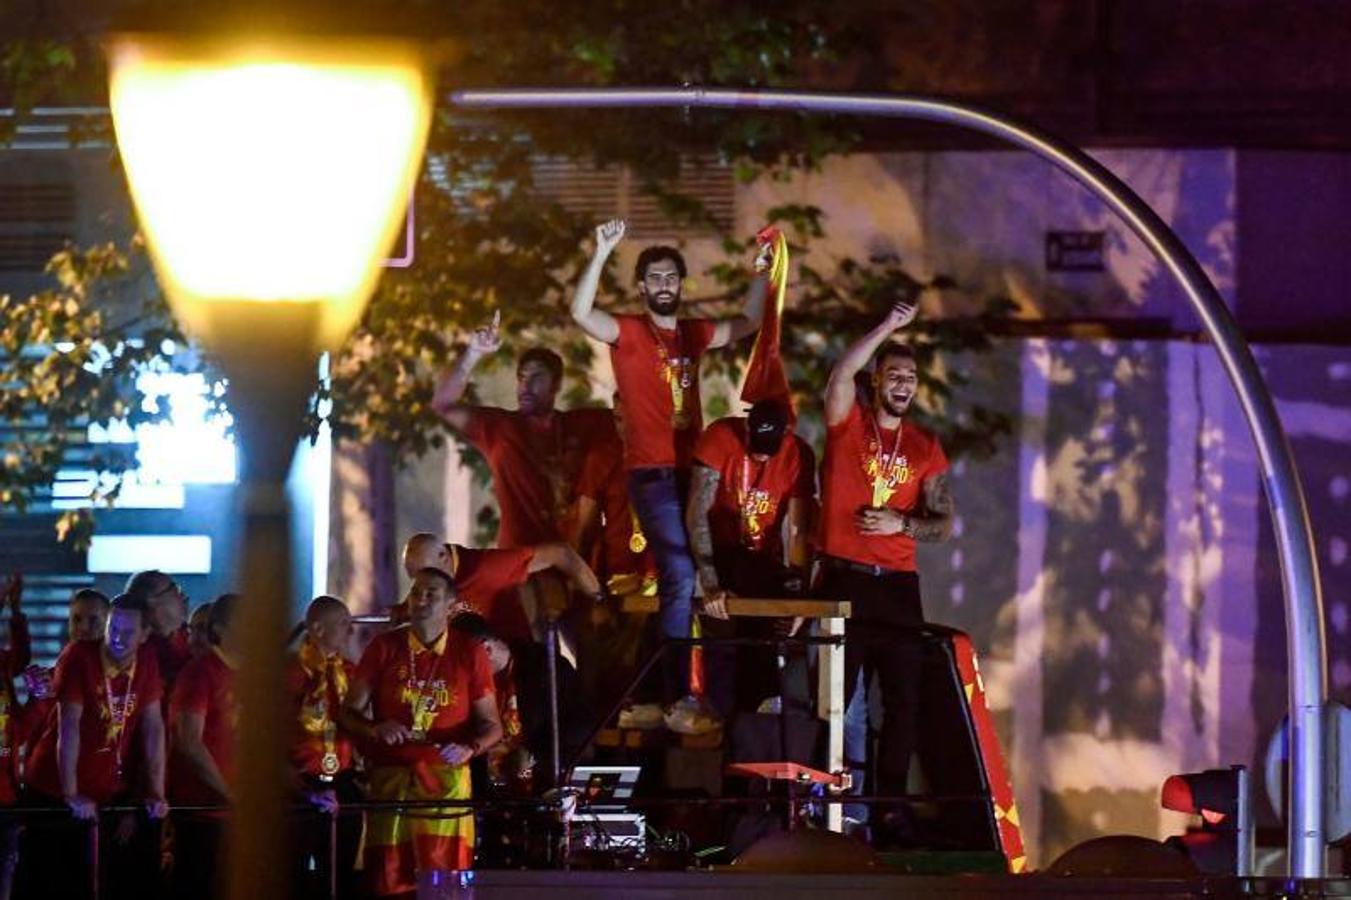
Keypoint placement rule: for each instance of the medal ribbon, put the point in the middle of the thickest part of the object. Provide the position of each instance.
(637, 540)
(118, 712)
(423, 702)
(675, 373)
(751, 530)
(882, 491)
(332, 677)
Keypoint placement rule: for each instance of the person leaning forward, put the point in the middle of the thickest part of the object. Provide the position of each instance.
(104, 745)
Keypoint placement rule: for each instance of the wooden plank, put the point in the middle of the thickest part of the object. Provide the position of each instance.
(754, 607)
(830, 706)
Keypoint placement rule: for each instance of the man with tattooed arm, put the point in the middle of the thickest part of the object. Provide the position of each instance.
(884, 487)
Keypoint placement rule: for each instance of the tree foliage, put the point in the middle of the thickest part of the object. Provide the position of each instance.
(67, 363)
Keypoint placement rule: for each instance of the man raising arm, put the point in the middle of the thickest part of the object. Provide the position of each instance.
(883, 487)
(656, 356)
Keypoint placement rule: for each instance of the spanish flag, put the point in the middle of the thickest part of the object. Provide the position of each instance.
(402, 844)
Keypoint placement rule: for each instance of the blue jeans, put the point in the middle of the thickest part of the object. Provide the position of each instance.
(856, 716)
(658, 498)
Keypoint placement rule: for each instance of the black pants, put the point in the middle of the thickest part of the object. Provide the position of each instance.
(314, 834)
(199, 851)
(879, 640)
(57, 855)
(740, 676)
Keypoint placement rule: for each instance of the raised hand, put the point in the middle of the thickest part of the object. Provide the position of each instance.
(608, 236)
(902, 314)
(487, 340)
(764, 257)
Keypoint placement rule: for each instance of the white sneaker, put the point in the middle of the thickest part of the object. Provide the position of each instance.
(641, 717)
(692, 715)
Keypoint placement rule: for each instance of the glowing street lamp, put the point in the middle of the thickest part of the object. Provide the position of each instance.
(269, 172)
(270, 178)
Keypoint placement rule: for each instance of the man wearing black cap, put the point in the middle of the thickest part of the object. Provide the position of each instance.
(752, 486)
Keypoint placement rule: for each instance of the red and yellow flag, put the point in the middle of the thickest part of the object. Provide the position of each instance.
(766, 378)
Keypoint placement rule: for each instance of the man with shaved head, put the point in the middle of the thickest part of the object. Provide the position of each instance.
(317, 678)
(486, 580)
(86, 615)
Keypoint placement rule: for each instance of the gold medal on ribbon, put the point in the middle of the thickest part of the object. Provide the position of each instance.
(329, 764)
(637, 540)
(680, 416)
(882, 491)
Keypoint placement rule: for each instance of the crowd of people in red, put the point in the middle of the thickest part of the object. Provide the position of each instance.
(135, 727)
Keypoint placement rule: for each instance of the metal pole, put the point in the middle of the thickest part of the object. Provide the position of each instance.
(1245, 838)
(1290, 518)
(618, 705)
(551, 667)
(95, 883)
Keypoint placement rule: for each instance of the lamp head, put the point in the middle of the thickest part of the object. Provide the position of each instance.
(270, 171)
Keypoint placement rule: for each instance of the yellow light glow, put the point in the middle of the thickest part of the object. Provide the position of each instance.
(276, 172)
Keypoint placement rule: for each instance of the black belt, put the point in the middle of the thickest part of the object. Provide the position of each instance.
(834, 562)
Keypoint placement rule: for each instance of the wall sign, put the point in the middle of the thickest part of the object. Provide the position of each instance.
(1075, 251)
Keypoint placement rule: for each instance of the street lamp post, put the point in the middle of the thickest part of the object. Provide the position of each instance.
(269, 176)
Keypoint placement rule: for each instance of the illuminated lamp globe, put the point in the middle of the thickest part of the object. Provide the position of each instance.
(270, 177)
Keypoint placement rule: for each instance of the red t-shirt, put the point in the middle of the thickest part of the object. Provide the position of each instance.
(853, 458)
(534, 463)
(316, 693)
(602, 480)
(647, 362)
(81, 678)
(206, 686)
(172, 652)
(444, 680)
(752, 496)
(487, 581)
